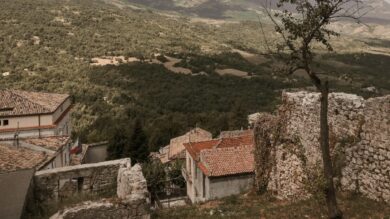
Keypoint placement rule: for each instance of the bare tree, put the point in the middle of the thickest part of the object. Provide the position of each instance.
(301, 25)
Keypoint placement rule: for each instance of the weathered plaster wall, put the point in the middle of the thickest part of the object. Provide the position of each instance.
(359, 144)
(96, 153)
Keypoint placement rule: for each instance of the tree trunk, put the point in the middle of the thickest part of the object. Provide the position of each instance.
(330, 193)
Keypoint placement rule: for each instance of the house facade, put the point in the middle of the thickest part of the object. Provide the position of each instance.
(218, 168)
(34, 114)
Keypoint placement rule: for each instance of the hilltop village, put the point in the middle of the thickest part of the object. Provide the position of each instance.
(42, 166)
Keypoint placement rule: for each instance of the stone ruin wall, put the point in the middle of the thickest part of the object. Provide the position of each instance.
(368, 161)
(57, 184)
(131, 201)
(359, 144)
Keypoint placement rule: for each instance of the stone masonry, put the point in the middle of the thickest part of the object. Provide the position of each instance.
(57, 184)
(132, 201)
(359, 144)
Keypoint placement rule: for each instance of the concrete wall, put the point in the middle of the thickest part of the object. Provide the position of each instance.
(198, 188)
(29, 133)
(96, 153)
(359, 144)
(190, 177)
(60, 183)
(219, 187)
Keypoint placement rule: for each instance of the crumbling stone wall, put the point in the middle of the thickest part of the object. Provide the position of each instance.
(359, 144)
(57, 184)
(132, 201)
(367, 167)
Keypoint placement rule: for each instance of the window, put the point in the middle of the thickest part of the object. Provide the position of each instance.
(80, 183)
(5, 122)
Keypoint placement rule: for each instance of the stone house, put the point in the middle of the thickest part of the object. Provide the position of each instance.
(34, 114)
(176, 146)
(218, 168)
(176, 150)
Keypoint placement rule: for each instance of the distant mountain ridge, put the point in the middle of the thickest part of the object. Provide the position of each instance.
(378, 10)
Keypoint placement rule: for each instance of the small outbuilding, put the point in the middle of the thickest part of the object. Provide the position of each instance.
(218, 168)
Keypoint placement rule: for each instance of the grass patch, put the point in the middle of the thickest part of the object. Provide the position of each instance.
(253, 206)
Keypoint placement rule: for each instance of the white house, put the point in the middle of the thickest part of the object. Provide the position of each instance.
(218, 168)
(34, 114)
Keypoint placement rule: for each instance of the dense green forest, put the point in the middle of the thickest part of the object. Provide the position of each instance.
(170, 104)
(48, 46)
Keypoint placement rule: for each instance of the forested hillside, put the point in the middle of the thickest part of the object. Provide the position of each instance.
(48, 45)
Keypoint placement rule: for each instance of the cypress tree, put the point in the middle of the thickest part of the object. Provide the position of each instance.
(138, 144)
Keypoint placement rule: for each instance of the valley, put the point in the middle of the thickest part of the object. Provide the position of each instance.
(104, 54)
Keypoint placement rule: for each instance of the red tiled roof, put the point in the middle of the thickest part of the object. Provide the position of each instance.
(227, 161)
(236, 141)
(224, 156)
(194, 148)
(12, 158)
(16, 102)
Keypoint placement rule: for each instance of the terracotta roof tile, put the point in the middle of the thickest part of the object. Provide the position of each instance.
(194, 148)
(227, 161)
(236, 141)
(224, 156)
(16, 102)
(12, 159)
